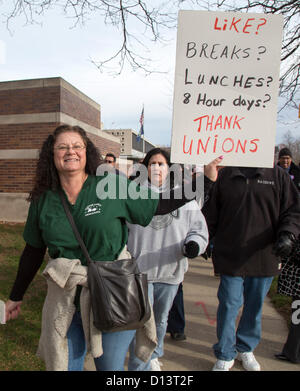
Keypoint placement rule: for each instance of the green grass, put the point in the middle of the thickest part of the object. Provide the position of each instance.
(19, 338)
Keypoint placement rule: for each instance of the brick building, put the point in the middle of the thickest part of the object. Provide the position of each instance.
(29, 111)
(131, 147)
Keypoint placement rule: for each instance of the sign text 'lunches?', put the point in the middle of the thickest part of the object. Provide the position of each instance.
(226, 87)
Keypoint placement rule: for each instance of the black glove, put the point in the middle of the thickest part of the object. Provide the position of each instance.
(284, 244)
(191, 249)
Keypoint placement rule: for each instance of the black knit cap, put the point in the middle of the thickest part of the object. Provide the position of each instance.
(285, 152)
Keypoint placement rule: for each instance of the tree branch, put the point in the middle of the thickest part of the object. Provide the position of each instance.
(153, 20)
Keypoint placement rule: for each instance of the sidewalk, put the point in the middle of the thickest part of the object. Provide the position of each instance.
(200, 299)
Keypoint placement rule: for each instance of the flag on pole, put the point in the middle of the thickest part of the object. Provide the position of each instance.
(141, 132)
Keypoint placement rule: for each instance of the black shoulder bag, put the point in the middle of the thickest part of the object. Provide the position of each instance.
(118, 290)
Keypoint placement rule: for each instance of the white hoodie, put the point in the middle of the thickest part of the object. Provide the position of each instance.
(158, 247)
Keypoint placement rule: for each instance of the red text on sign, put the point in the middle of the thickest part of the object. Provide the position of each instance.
(210, 123)
(215, 145)
(251, 25)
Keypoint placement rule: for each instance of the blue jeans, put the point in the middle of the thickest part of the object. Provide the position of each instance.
(232, 294)
(176, 319)
(115, 346)
(161, 297)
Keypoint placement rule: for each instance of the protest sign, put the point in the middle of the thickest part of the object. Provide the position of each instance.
(226, 88)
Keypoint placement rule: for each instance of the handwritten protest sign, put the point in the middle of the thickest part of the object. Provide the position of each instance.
(226, 88)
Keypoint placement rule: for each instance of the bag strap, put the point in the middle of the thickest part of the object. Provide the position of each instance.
(73, 225)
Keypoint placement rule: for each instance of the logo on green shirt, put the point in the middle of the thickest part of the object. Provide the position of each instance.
(92, 209)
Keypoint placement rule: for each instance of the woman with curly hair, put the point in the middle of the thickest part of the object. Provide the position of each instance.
(67, 163)
(47, 176)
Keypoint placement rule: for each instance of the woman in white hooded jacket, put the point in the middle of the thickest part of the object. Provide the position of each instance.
(161, 250)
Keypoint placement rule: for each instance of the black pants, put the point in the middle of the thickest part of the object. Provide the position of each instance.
(176, 320)
(291, 348)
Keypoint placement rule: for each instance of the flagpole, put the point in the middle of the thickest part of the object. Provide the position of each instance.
(143, 133)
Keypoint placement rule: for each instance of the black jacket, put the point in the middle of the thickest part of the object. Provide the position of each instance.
(295, 175)
(244, 217)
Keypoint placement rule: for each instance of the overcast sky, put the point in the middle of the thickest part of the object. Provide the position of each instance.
(54, 49)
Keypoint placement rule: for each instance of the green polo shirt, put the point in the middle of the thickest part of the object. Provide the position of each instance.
(101, 221)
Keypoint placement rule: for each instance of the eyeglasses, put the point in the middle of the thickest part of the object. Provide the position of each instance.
(109, 161)
(65, 148)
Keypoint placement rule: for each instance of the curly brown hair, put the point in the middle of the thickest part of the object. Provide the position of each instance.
(46, 176)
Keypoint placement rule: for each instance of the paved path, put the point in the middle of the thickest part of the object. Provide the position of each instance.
(195, 354)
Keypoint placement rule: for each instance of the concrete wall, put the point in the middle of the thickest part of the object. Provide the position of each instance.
(13, 207)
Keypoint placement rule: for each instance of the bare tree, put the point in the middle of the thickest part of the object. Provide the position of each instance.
(290, 57)
(293, 143)
(143, 21)
(126, 16)
(140, 23)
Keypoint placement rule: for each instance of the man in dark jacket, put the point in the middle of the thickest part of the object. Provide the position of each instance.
(111, 159)
(253, 216)
(288, 285)
(285, 161)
